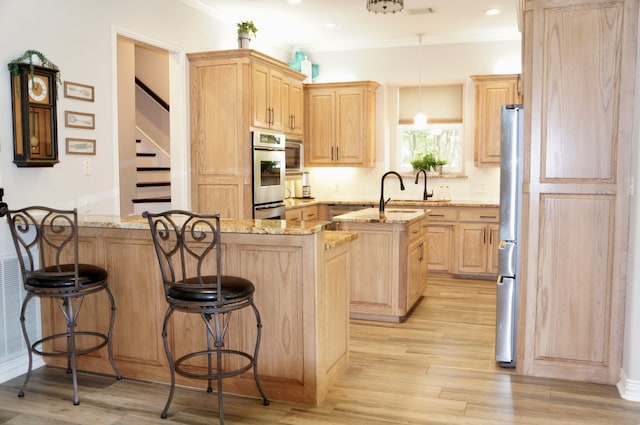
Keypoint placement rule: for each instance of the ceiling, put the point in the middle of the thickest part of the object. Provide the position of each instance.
(303, 25)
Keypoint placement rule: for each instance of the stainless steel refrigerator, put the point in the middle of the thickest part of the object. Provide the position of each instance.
(508, 250)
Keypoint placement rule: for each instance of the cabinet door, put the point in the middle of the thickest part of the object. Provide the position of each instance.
(319, 149)
(439, 248)
(350, 118)
(260, 95)
(472, 251)
(491, 93)
(415, 272)
(276, 80)
(294, 121)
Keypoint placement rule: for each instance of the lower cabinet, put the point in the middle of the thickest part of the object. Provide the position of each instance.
(307, 213)
(477, 242)
(440, 241)
(389, 272)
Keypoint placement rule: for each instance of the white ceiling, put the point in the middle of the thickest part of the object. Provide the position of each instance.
(303, 25)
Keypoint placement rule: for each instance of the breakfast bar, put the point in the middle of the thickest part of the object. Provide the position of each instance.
(301, 274)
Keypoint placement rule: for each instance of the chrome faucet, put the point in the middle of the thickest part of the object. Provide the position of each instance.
(425, 195)
(382, 201)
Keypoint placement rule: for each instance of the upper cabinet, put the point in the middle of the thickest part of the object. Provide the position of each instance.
(232, 91)
(491, 92)
(293, 107)
(340, 124)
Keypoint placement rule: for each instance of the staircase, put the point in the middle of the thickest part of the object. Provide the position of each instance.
(153, 182)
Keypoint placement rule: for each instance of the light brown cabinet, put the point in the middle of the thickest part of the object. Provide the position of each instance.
(340, 124)
(230, 91)
(307, 213)
(267, 96)
(390, 268)
(440, 241)
(579, 123)
(491, 92)
(477, 240)
(293, 107)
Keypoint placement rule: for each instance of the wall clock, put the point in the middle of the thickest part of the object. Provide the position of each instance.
(35, 135)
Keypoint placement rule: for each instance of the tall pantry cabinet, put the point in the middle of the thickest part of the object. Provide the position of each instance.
(579, 81)
(231, 92)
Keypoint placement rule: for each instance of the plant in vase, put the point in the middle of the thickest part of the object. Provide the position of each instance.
(439, 162)
(426, 161)
(245, 30)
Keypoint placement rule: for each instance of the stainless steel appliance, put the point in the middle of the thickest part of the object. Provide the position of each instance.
(294, 154)
(510, 221)
(268, 175)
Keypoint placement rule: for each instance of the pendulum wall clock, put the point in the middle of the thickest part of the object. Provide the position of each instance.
(35, 135)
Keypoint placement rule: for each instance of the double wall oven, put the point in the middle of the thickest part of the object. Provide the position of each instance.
(268, 175)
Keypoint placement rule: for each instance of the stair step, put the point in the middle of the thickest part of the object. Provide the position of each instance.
(154, 184)
(151, 200)
(142, 169)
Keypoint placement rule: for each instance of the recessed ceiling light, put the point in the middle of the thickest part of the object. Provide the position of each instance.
(492, 11)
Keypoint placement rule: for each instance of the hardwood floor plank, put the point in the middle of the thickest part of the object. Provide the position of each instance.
(437, 368)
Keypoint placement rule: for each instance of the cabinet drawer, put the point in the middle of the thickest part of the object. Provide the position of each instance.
(418, 229)
(443, 214)
(480, 215)
(294, 214)
(310, 213)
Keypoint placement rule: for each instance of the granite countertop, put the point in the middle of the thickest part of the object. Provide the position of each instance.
(335, 238)
(302, 202)
(269, 227)
(374, 215)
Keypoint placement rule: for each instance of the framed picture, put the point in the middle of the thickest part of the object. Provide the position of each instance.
(79, 120)
(81, 146)
(78, 91)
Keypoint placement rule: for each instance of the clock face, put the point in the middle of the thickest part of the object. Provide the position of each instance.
(38, 89)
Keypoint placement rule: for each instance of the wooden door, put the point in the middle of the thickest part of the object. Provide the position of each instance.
(472, 250)
(439, 248)
(578, 93)
(318, 148)
(349, 117)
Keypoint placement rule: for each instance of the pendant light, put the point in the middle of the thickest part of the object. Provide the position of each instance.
(420, 119)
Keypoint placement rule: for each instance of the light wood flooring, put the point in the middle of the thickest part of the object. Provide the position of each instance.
(436, 368)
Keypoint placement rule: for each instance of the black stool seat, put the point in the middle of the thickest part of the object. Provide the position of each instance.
(233, 289)
(64, 276)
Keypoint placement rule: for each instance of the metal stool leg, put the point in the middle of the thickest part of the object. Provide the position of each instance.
(27, 342)
(71, 346)
(110, 333)
(169, 359)
(265, 400)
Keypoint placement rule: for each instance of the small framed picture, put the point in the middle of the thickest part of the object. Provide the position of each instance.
(79, 120)
(81, 146)
(78, 91)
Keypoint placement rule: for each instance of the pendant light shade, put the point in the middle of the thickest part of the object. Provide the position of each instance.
(385, 6)
(420, 121)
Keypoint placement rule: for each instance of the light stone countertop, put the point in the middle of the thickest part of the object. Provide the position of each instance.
(270, 227)
(391, 215)
(302, 202)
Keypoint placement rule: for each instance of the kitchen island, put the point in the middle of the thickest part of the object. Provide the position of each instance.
(390, 261)
(301, 274)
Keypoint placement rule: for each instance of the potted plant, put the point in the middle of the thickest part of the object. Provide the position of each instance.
(245, 31)
(426, 161)
(439, 162)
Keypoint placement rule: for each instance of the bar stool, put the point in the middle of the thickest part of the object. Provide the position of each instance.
(188, 246)
(46, 243)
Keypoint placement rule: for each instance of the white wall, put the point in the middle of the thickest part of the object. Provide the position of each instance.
(397, 67)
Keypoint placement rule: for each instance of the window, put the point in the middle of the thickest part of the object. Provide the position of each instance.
(443, 136)
(443, 140)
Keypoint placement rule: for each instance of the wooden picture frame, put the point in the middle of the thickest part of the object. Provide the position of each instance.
(79, 91)
(81, 146)
(79, 120)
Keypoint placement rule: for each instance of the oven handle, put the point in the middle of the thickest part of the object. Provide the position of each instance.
(259, 148)
(269, 207)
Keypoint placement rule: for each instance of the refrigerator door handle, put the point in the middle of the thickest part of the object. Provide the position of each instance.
(507, 258)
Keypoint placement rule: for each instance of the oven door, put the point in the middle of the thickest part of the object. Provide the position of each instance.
(268, 176)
